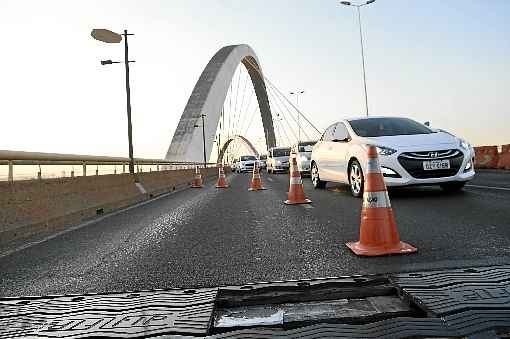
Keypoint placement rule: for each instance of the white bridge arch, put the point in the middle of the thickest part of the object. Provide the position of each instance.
(208, 97)
(248, 144)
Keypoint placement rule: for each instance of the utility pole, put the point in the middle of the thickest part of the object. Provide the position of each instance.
(348, 3)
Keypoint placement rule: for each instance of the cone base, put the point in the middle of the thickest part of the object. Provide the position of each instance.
(373, 251)
(298, 202)
(222, 186)
(194, 186)
(256, 189)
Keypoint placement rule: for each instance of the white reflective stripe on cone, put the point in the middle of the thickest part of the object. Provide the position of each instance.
(295, 181)
(376, 199)
(373, 166)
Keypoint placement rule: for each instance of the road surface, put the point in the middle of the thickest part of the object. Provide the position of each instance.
(209, 237)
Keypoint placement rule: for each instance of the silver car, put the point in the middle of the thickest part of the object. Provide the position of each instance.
(278, 159)
(303, 152)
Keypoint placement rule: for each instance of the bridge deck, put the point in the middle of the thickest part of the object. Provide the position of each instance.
(221, 237)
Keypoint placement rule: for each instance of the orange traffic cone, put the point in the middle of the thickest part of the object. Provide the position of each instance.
(222, 182)
(256, 183)
(197, 181)
(378, 230)
(296, 194)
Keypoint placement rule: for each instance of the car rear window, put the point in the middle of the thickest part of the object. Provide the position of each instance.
(281, 152)
(248, 157)
(306, 146)
(379, 127)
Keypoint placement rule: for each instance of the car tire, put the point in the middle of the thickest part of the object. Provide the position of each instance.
(356, 179)
(453, 186)
(316, 180)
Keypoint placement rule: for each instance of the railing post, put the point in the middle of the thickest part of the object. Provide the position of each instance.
(39, 174)
(157, 167)
(123, 168)
(115, 170)
(11, 171)
(84, 169)
(97, 169)
(72, 172)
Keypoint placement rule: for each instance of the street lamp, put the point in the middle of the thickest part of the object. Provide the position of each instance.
(297, 93)
(107, 36)
(203, 138)
(348, 3)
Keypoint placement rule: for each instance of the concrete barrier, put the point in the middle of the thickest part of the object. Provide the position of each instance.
(504, 157)
(33, 207)
(486, 157)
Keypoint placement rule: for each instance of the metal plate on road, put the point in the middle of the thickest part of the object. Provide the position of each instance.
(457, 298)
(433, 279)
(117, 315)
(391, 328)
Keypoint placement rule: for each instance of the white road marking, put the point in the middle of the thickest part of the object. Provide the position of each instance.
(270, 179)
(490, 187)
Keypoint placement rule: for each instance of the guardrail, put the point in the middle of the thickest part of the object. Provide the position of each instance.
(19, 158)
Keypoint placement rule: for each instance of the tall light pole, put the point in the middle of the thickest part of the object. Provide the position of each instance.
(203, 138)
(297, 93)
(348, 3)
(107, 36)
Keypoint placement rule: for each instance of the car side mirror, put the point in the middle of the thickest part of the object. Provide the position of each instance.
(427, 123)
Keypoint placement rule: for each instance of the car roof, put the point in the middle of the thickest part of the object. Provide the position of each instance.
(373, 117)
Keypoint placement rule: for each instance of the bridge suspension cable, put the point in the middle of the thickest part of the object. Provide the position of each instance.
(238, 117)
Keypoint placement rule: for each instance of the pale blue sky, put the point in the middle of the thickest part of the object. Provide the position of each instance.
(443, 61)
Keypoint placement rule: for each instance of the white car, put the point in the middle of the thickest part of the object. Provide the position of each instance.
(245, 163)
(278, 159)
(262, 161)
(303, 152)
(410, 153)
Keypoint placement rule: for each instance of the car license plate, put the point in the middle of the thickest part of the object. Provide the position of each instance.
(436, 165)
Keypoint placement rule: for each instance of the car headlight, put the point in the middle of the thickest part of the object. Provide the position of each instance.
(464, 144)
(385, 150)
(278, 162)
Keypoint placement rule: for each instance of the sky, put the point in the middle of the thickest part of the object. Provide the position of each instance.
(446, 62)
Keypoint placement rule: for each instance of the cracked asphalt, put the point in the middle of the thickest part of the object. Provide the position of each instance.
(210, 237)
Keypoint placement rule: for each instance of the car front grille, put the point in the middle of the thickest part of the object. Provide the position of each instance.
(413, 163)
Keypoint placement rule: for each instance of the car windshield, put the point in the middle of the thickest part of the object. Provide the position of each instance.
(281, 152)
(306, 146)
(248, 158)
(380, 127)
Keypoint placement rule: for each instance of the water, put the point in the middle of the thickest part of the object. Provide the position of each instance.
(29, 172)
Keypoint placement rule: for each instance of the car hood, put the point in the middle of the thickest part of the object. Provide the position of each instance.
(439, 139)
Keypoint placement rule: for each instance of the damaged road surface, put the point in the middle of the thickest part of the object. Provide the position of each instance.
(458, 303)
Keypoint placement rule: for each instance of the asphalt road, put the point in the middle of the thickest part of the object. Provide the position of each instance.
(210, 237)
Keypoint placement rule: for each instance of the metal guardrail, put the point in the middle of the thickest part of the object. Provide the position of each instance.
(15, 158)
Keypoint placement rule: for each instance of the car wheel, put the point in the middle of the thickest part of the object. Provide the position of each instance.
(356, 179)
(316, 181)
(453, 186)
